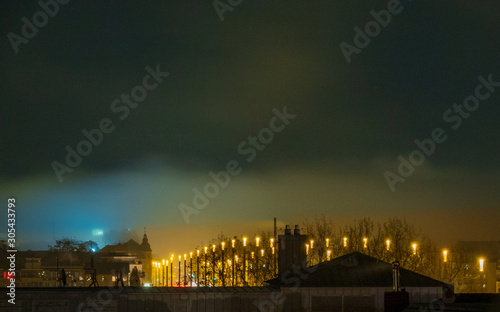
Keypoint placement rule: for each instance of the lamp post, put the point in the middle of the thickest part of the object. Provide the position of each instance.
(179, 276)
(213, 265)
(223, 264)
(232, 275)
(256, 269)
(197, 268)
(172, 271)
(205, 275)
(185, 270)
(191, 268)
(244, 261)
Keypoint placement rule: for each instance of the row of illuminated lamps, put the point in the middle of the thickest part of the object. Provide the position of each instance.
(365, 244)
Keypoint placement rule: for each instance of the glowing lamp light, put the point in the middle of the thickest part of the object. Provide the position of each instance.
(307, 249)
(365, 240)
(345, 241)
(232, 243)
(206, 249)
(328, 255)
(414, 248)
(262, 252)
(213, 248)
(327, 243)
(312, 242)
(191, 255)
(445, 255)
(244, 241)
(222, 245)
(197, 252)
(272, 242)
(481, 265)
(388, 244)
(273, 250)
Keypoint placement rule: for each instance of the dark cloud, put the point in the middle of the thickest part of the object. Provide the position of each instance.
(225, 79)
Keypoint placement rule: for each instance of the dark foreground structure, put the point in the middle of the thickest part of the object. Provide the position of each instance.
(219, 299)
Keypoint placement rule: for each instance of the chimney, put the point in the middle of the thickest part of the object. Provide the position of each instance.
(291, 251)
(296, 231)
(395, 276)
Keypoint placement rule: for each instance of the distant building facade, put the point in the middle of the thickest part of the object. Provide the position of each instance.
(482, 265)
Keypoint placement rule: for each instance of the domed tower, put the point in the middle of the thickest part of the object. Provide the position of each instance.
(148, 258)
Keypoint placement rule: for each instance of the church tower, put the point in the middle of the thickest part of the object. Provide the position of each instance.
(148, 258)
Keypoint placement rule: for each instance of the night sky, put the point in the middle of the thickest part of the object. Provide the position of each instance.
(352, 120)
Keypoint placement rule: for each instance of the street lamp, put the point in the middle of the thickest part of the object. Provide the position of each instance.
(191, 268)
(481, 265)
(244, 261)
(388, 243)
(327, 243)
(185, 270)
(312, 242)
(171, 270)
(223, 264)
(213, 264)
(414, 248)
(205, 275)
(197, 267)
(345, 241)
(445, 255)
(365, 240)
(166, 274)
(232, 266)
(328, 255)
(307, 249)
(179, 276)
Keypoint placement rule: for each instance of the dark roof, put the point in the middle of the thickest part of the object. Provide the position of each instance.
(129, 248)
(358, 270)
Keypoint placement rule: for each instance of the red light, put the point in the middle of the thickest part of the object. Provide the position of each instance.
(6, 275)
